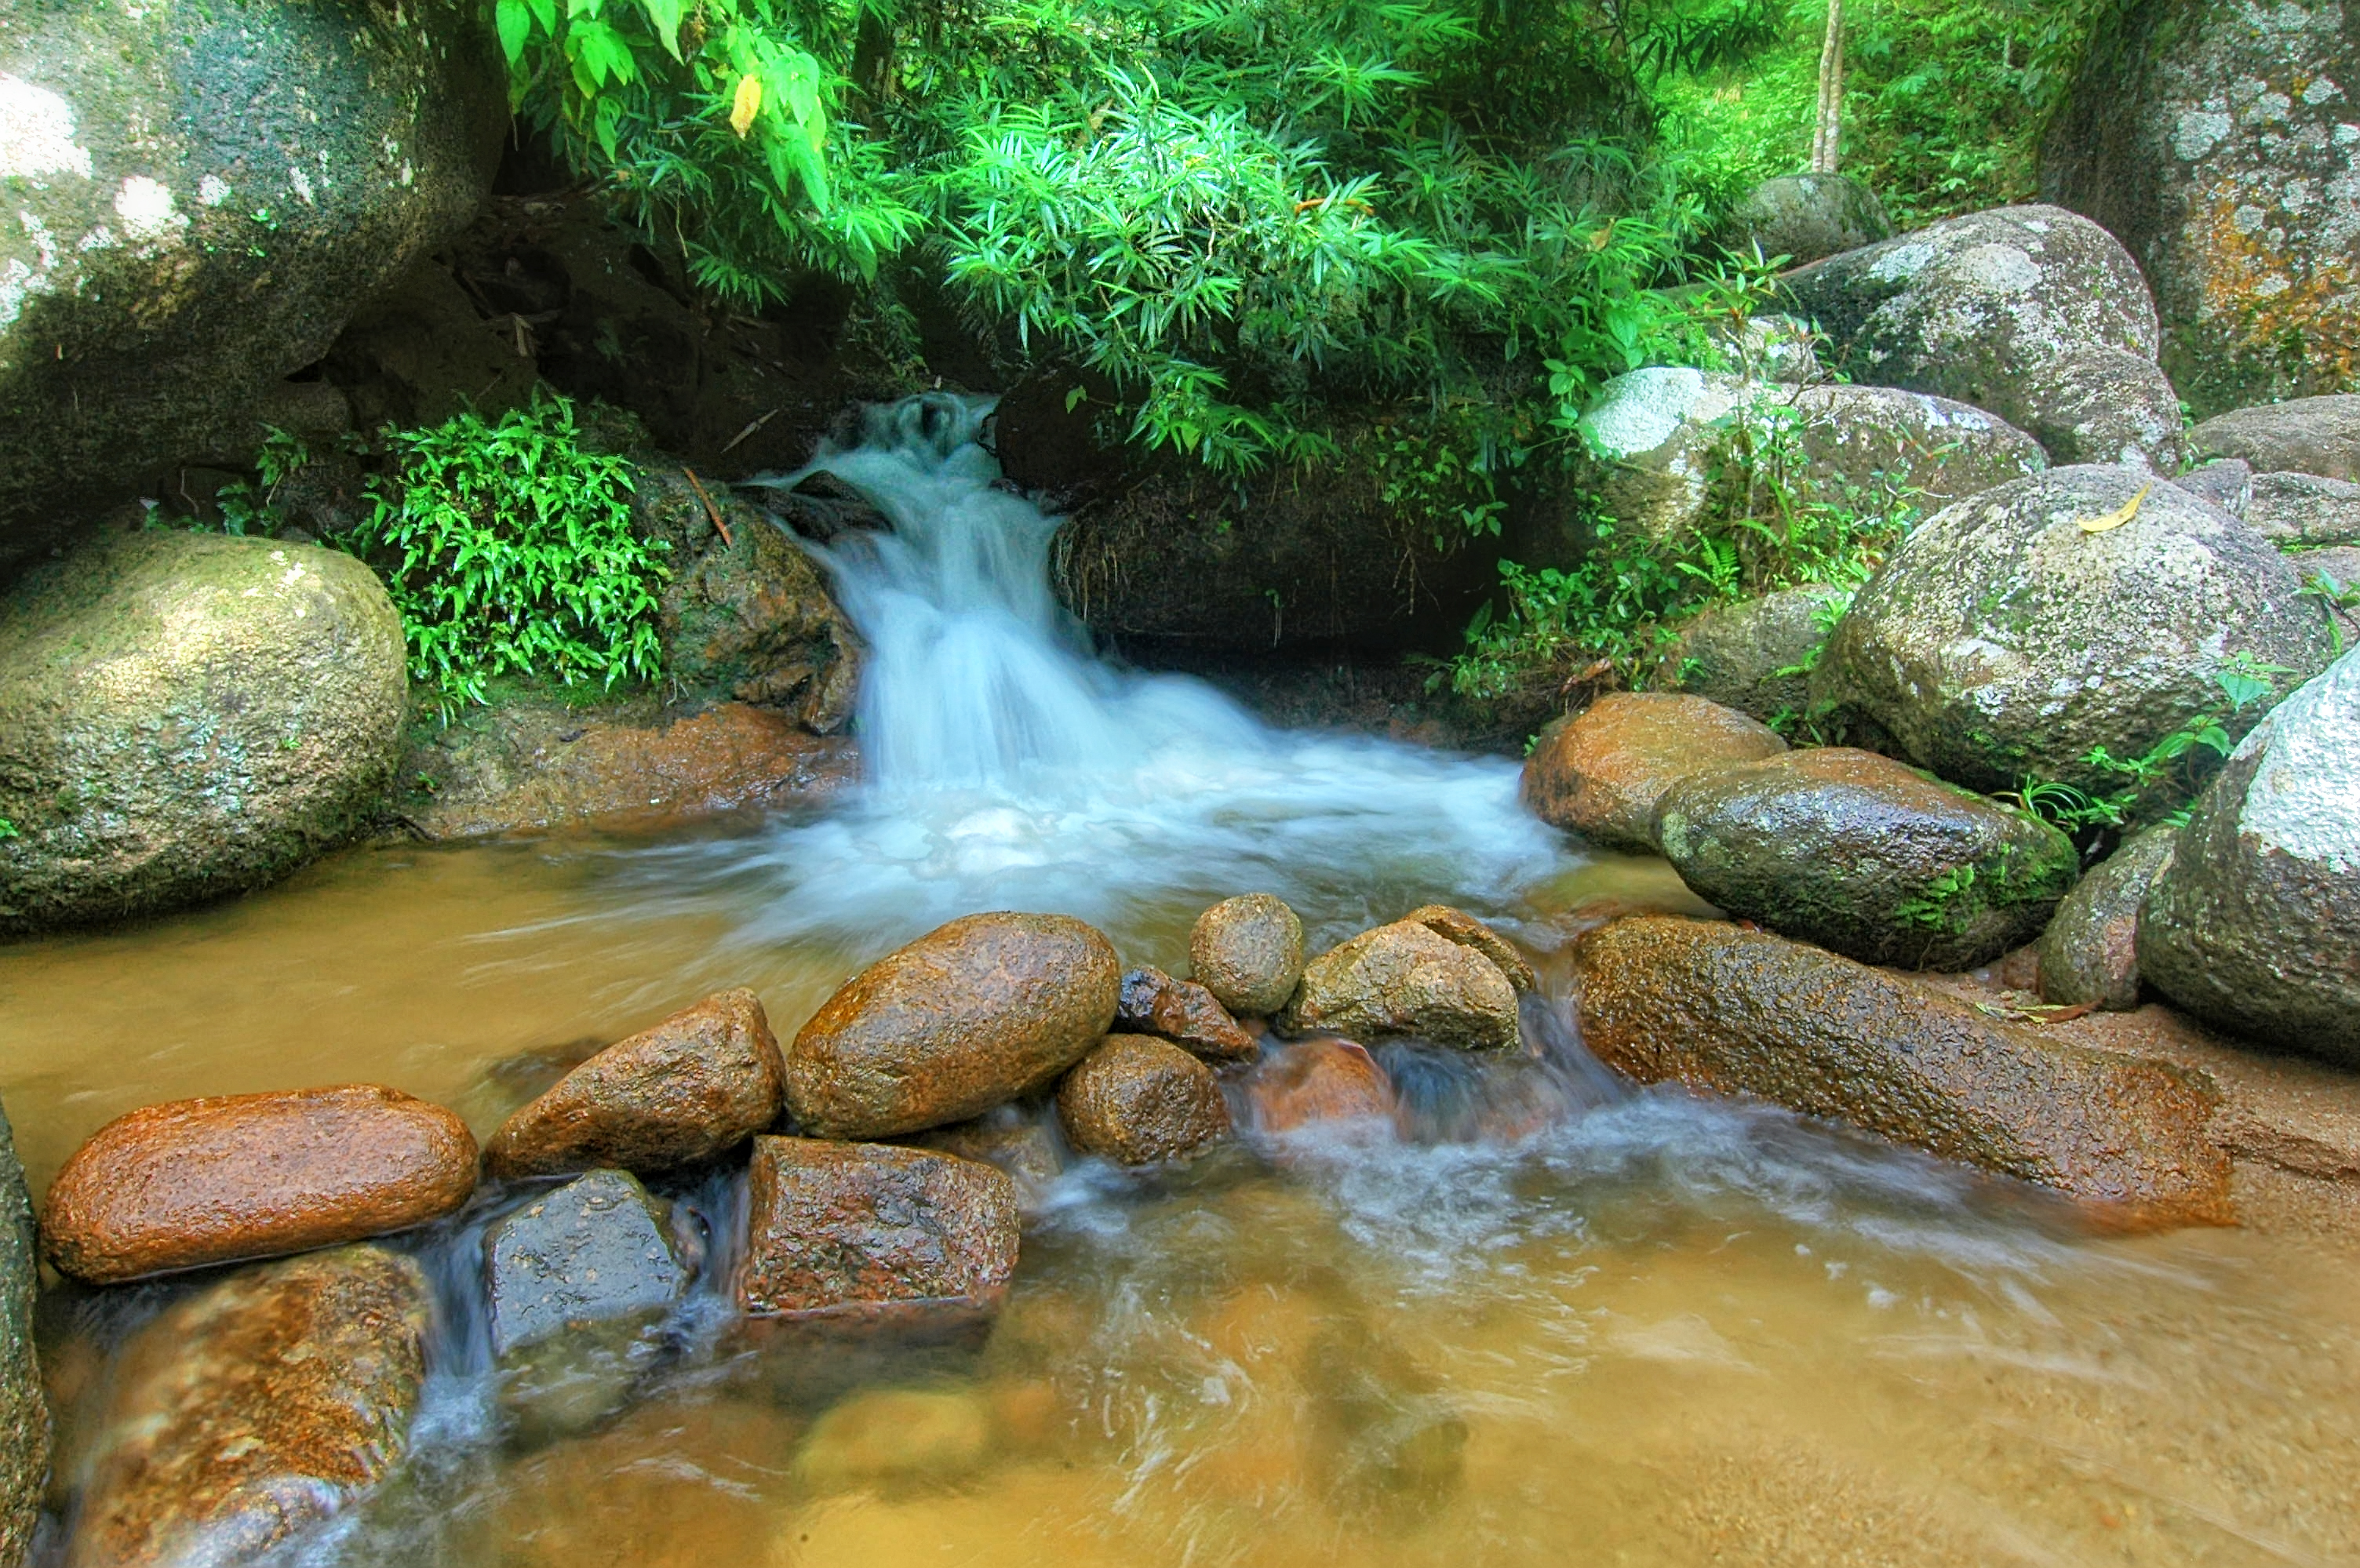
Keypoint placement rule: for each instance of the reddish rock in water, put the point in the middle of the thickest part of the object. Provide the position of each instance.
(263, 1405)
(1402, 981)
(214, 1181)
(1136, 1100)
(1744, 1012)
(1602, 772)
(1313, 1082)
(1182, 1012)
(1248, 952)
(969, 1016)
(873, 1229)
(1459, 926)
(700, 1083)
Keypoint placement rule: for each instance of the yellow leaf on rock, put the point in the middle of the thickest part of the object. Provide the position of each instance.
(746, 105)
(2116, 518)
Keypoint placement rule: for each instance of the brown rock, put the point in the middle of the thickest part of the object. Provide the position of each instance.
(1248, 952)
(268, 1402)
(1459, 926)
(229, 1177)
(968, 1017)
(1319, 1081)
(2090, 951)
(1137, 1101)
(1403, 980)
(1602, 772)
(701, 1082)
(1736, 1011)
(872, 1229)
(24, 1416)
(1182, 1012)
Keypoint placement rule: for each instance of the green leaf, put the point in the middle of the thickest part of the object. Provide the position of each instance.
(515, 24)
(666, 15)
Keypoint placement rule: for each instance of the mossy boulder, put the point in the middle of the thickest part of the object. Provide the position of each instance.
(188, 715)
(2089, 954)
(1756, 655)
(199, 195)
(24, 1417)
(1804, 217)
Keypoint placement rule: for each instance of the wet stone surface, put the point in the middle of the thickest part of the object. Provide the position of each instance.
(594, 1248)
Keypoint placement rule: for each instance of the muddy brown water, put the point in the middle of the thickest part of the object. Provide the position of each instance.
(1653, 1331)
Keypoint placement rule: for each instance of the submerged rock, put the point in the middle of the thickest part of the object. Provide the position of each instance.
(1602, 772)
(1806, 216)
(2089, 954)
(1182, 1012)
(1459, 926)
(1866, 855)
(897, 1437)
(214, 1181)
(188, 715)
(1740, 1012)
(2254, 926)
(1140, 1101)
(24, 1415)
(700, 1083)
(1320, 1082)
(969, 1016)
(1248, 952)
(1756, 655)
(1402, 981)
(256, 1409)
(2303, 435)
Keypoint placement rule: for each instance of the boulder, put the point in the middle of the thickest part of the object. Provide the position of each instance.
(1672, 447)
(1182, 1012)
(2002, 639)
(202, 194)
(1741, 1012)
(694, 1086)
(1867, 856)
(2216, 138)
(24, 1413)
(1602, 772)
(2089, 954)
(214, 1181)
(188, 715)
(1248, 952)
(1319, 1083)
(1459, 926)
(969, 1016)
(2303, 435)
(264, 1405)
(1803, 217)
(2293, 510)
(1140, 1101)
(2254, 926)
(1756, 655)
(2033, 312)
(1402, 981)
(871, 1230)
(2225, 482)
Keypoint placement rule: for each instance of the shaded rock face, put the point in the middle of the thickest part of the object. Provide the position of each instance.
(1806, 216)
(1862, 855)
(24, 1415)
(1319, 1081)
(188, 715)
(204, 194)
(267, 1403)
(212, 1180)
(1182, 1012)
(868, 1229)
(1459, 926)
(2033, 312)
(2089, 954)
(1602, 772)
(2255, 924)
(969, 1016)
(1754, 655)
(1402, 981)
(1016, 1140)
(2216, 138)
(2304, 435)
(2000, 639)
(1739, 1012)
(701, 1082)
(1248, 952)
(1140, 1101)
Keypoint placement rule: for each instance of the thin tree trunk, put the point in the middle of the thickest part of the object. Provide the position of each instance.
(1827, 135)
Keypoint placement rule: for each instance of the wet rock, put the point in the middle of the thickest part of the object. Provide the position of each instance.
(1998, 309)
(24, 1416)
(201, 200)
(1313, 1082)
(1806, 216)
(269, 1402)
(2318, 436)
(1403, 981)
(1740, 1012)
(1183, 1012)
(1016, 1140)
(1602, 772)
(873, 1232)
(696, 1085)
(969, 1016)
(212, 1180)
(1459, 926)
(1140, 1101)
(188, 715)
(1865, 855)
(2212, 136)
(1756, 655)
(2089, 954)
(897, 1437)
(2001, 640)
(2254, 926)
(1248, 952)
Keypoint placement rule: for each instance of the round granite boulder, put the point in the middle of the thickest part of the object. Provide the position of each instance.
(1138, 1101)
(1600, 773)
(1804, 217)
(2089, 954)
(2303, 435)
(1248, 952)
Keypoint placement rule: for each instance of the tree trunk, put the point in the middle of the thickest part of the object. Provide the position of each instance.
(1827, 132)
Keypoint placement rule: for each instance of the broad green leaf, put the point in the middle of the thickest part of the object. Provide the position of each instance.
(515, 25)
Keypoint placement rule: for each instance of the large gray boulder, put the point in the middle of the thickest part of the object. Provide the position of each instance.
(199, 195)
(187, 715)
(24, 1417)
(2216, 137)
(2303, 435)
(2037, 314)
(2001, 639)
(2255, 925)
(2089, 954)
(1804, 217)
